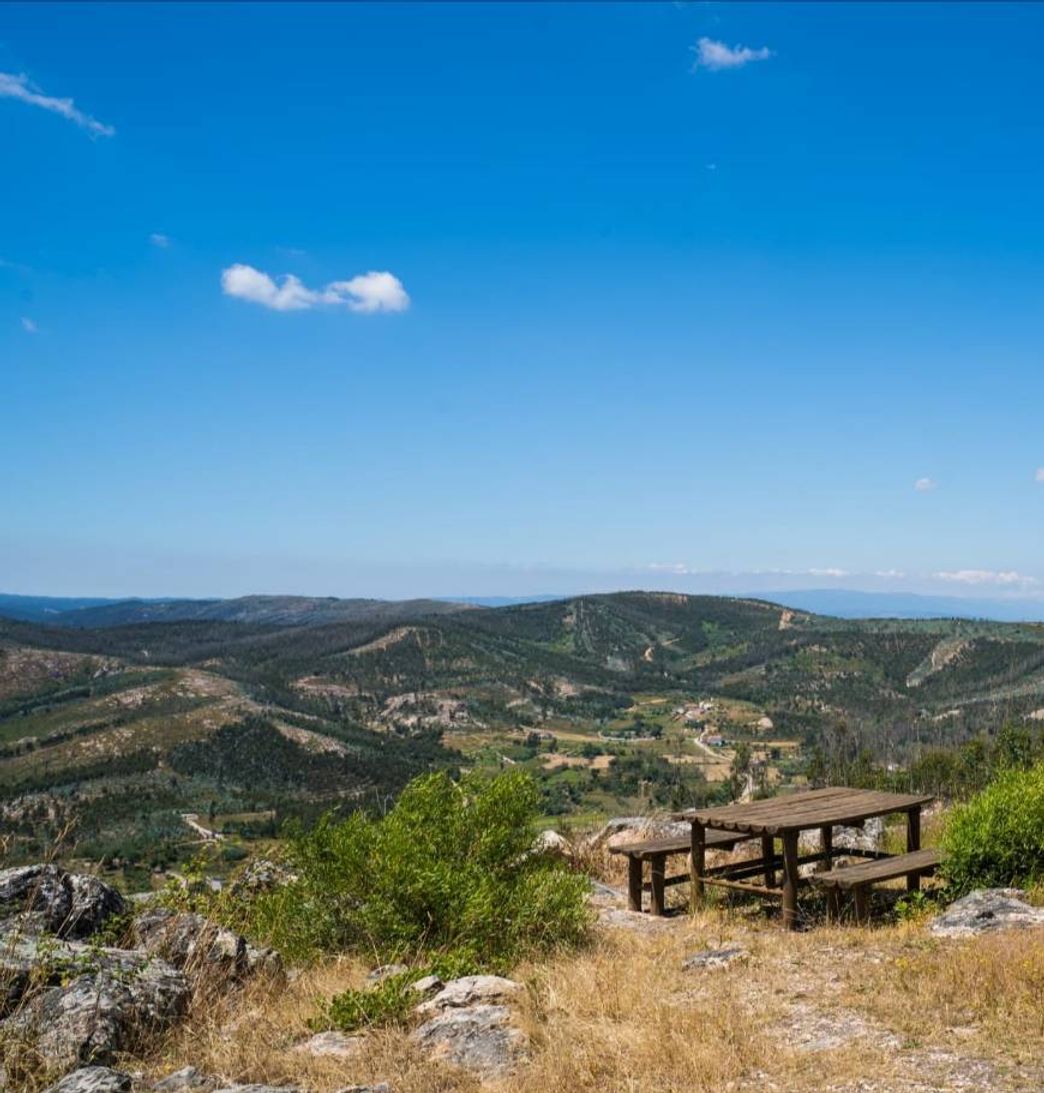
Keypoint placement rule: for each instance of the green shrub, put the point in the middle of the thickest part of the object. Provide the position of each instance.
(448, 870)
(997, 838)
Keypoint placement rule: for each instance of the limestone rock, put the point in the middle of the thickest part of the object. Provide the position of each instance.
(985, 910)
(429, 984)
(188, 1077)
(386, 971)
(553, 845)
(199, 946)
(468, 990)
(338, 1044)
(259, 877)
(71, 905)
(117, 999)
(478, 1038)
(93, 1079)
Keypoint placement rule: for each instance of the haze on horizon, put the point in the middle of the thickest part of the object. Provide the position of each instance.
(716, 298)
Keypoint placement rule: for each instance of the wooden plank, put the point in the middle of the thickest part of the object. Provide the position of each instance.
(913, 844)
(790, 880)
(697, 862)
(676, 844)
(739, 886)
(656, 868)
(768, 856)
(634, 884)
(818, 808)
(898, 865)
(826, 839)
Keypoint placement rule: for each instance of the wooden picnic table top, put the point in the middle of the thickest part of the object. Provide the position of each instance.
(834, 805)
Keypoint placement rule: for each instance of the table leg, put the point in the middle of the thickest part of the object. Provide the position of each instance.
(826, 839)
(634, 883)
(698, 863)
(768, 852)
(657, 870)
(790, 879)
(913, 842)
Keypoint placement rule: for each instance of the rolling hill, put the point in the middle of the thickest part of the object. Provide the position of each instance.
(121, 729)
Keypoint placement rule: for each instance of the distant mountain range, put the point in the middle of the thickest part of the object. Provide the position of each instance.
(89, 613)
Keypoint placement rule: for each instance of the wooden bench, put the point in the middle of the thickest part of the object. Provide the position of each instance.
(656, 852)
(857, 879)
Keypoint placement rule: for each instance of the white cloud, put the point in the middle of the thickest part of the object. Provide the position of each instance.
(369, 292)
(1006, 577)
(890, 573)
(831, 572)
(716, 56)
(19, 87)
(679, 568)
(366, 293)
(925, 485)
(158, 239)
(1039, 476)
(28, 325)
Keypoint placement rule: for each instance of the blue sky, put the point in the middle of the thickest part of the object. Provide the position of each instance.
(684, 295)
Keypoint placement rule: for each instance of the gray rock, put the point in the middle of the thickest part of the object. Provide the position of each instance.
(259, 877)
(338, 1044)
(713, 958)
(71, 905)
(199, 946)
(429, 984)
(866, 837)
(116, 1001)
(386, 971)
(254, 1088)
(468, 990)
(93, 1079)
(188, 1077)
(478, 1038)
(985, 910)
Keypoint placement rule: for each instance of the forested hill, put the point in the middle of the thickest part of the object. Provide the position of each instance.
(126, 726)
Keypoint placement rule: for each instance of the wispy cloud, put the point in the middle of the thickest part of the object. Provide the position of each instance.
(366, 293)
(18, 87)
(1039, 476)
(158, 239)
(1006, 577)
(925, 485)
(716, 56)
(28, 325)
(831, 571)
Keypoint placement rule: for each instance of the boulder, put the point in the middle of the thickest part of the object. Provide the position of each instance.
(254, 1088)
(428, 984)
(478, 1038)
(93, 1079)
(259, 877)
(102, 1002)
(625, 829)
(468, 990)
(70, 905)
(553, 845)
(332, 1043)
(387, 971)
(188, 1077)
(985, 910)
(199, 946)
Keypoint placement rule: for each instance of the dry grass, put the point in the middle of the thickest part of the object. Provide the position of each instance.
(991, 988)
(623, 1015)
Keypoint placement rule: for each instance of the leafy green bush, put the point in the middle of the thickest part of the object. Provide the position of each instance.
(448, 870)
(997, 838)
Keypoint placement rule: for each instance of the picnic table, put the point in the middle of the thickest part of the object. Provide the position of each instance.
(785, 818)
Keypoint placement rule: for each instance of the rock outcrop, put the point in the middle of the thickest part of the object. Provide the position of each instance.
(986, 910)
(93, 1079)
(479, 1038)
(47, 898)
(70, 1004)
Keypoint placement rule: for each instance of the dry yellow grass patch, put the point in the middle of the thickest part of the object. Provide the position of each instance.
(991, 988)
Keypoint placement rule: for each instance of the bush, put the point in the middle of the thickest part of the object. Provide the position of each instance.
(997, 838)
(448, 870)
